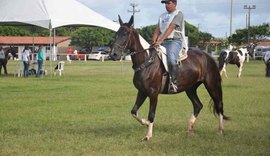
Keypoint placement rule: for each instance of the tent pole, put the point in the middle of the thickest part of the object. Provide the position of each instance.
(50, 51)
(54, 52)
(33, 44)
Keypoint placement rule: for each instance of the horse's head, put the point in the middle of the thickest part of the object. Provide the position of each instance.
(122, 42)
(10, 52)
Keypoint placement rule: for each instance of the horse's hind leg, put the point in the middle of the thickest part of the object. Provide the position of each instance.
(139, 101)
(224, 70)
(213, 86)
(197, 106)
(240, 70)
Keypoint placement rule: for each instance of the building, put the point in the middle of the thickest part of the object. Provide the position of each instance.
(19, 42)
(263, 43)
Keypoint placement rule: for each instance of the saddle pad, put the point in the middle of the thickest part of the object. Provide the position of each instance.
(163, 55)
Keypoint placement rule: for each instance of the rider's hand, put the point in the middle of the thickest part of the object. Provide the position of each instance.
(158, 43)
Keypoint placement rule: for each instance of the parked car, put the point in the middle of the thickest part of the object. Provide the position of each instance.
(98, 55)
(261, 50)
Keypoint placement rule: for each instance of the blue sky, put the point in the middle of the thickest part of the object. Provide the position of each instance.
(211, 16)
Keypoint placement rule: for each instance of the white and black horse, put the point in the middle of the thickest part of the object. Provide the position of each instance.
(232, 57)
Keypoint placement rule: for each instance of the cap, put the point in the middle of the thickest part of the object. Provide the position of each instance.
(166, 1)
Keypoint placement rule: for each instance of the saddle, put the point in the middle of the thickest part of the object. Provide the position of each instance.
(163, 57)
(162, 54)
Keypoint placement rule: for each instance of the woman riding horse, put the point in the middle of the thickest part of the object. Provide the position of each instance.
(151, 78)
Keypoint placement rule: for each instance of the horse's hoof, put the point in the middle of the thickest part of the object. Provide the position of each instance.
(221, 132)
(189, 132)
(146, 138)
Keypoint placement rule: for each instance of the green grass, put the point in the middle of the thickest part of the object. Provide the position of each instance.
(87, 112)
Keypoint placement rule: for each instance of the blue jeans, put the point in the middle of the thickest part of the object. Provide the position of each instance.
(173, 48)
(40, 62)
(26, 68)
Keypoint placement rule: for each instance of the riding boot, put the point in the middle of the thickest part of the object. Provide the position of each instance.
(173, 71)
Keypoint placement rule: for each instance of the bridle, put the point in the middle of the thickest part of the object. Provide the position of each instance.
(147, 62)
(122, 48)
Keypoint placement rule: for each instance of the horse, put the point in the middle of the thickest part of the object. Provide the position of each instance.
(9, 52)
(149, 72)
(232, 57)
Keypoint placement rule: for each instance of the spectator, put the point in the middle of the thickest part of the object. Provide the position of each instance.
(75, 52)
(40, 59)
(2, 55)
(69, 52)
(26, 60)
(267, 63)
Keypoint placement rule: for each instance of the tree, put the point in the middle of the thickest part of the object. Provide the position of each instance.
(13, 31)
(240, 36)
(194, 35)
(87, 37)
(147, 32)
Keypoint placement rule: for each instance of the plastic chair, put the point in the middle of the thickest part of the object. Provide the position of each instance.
(60, 67)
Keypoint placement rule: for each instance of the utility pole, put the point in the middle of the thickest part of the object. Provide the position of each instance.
(133, 11)
(231, 18)
(248, 23)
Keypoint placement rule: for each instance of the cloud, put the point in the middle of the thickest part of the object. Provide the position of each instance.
(212, 16)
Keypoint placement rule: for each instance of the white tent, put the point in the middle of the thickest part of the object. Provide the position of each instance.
(51, 14)
(54, 13)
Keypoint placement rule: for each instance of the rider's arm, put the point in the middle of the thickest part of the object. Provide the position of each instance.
(166, 34)
(155, 35)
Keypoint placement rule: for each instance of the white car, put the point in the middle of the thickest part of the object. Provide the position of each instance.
(98, 55)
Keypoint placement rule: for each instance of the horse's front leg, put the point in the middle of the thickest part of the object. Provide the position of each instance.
(151, 117)
(139, 101)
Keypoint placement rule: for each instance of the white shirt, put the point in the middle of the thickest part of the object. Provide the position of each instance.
(2, 54)
(166, 19)
(26, 54)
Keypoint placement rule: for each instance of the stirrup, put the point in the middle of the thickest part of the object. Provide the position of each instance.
(172, 88)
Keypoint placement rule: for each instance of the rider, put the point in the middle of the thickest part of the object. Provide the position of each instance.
(169, 33)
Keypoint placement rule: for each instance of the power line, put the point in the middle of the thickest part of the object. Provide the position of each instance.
(133, 11)
(249, 7)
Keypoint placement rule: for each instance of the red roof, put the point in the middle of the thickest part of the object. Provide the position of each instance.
(263, 43)
(29, 40)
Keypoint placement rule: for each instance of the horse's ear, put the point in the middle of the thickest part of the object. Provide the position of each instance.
(131, 21)
(120, 20)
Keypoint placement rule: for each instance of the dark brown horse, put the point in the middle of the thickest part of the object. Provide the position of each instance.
(9, 52)
(149, 73)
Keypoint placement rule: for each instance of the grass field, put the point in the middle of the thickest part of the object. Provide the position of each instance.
(87, 112)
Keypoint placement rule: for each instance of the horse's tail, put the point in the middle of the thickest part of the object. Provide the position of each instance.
(215, 110)
(221, 59)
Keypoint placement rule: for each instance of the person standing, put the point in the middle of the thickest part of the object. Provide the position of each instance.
(170, 33)
(267, 63)
(2, 57)
(26, 60)
(40, 59)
